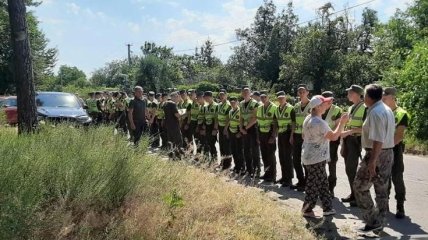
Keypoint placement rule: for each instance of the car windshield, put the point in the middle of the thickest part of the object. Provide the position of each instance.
(11, 102)
(57, 100)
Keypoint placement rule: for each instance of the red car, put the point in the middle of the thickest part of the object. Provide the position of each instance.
(9, 105)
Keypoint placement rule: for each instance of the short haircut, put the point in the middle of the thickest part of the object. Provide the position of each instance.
(374, 91)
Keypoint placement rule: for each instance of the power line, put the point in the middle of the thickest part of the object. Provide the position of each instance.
(300, 23)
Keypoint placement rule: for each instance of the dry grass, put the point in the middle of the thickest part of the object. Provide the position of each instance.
(212, 208)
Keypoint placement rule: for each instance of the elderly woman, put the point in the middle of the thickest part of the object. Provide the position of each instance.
(316, 137)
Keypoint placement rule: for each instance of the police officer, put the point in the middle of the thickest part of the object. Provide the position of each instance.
(210, 127)
(152, 105)
(286, 119)
(332, 117)
(185, 106)
(267, 126)
(231, 130)
(248, 129)
(224, 108)
(200, 139)
(302, 110)
(93, 110)
(192, 119)
(160, 116)
(402, 119)
(351, 150)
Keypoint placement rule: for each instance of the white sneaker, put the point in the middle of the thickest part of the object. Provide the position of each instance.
(329, 212)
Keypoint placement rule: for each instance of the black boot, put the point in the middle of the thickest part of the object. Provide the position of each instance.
(400, 211)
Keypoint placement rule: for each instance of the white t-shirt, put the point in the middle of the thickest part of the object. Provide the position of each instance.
(316, 147)
(379, 126)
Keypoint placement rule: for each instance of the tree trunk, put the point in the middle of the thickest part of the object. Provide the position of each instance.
(22, 67)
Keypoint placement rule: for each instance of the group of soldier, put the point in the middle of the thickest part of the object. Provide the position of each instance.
(250, 129)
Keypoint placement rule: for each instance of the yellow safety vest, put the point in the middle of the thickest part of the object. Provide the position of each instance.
(92, 105)
(300, 116)
(210, 113)
(246, 112)
(356, 118)
(160, 113)
(223, 110)
(399, 113)
(284, 117)
(234, 116)
(194, 112)
(265, 116)
(332, 113)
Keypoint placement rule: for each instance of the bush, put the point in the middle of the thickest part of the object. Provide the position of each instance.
(54, 180)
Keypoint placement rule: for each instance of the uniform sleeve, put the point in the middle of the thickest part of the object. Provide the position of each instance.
(293, 115)
(131, 104)
(404, 121)
(189, 107)
(339, 114)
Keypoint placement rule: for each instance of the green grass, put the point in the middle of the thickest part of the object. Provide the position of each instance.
(416, 146)
(67, 183)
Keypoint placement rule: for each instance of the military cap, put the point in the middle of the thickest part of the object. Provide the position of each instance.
(164, 94)
(390, 91)
(97, 92)
(190, 91)
(199, 94)
(356, 88)
(263, 93)
(151, 93)
(304, 86)
(233, 99)
(222, 91)
(256, 93)
(208, 94)
(327, 94)
(182, 92)
(245, 87)
(158, 95)
(280, 94)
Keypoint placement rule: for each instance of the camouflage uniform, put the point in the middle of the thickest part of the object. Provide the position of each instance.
(363, 183)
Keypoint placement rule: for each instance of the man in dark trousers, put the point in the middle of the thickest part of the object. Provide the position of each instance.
(234, 136)
(248, 129)
(267, 127)
(222, 117)
(286, 118)
(332, 117)
(137, 112)
(172, 123)
(210, 127)
(402, 119)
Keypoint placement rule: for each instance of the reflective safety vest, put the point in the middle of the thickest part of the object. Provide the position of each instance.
(201, 114)
(246, 112)
(92, 105)
(331, 115)
(160, 113)
(356, 118)
(234, 116)
(300, 116)
(399, 113)
(265, 116)
(110, 105)
(184, 104)
(194, 112)
(210, 113)
(223, 111)
(283, 116)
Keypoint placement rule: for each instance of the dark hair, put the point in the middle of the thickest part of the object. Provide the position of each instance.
(374, 92)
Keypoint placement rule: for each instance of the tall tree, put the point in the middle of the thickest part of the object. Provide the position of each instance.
(23, 67)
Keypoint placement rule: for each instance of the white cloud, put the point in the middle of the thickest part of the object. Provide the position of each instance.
(73, 8)
(134, 27)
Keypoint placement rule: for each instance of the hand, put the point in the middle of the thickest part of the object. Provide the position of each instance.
(291, 139)
(344, 118)
(186, 127)
(133, 126)
(214, 132)
(372, 169)
(345, 134)
(271, 140)
(243, 131)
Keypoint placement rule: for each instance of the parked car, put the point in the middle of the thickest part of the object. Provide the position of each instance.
(61, 107)
(9, 107)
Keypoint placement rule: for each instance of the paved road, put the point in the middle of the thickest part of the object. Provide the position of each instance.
(346, 221)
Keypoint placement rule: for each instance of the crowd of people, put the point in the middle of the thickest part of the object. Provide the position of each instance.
(249, 130)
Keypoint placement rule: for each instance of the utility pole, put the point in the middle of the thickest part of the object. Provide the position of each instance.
(22, 67)
(129, 53)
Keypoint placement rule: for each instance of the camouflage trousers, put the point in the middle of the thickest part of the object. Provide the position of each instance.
(374, 215)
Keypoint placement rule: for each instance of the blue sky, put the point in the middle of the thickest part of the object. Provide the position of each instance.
(89, 33)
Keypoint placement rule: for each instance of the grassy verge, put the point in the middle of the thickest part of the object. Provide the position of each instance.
(416, 146)
(66, 183)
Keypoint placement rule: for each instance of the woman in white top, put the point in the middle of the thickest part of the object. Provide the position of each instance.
(316, 154)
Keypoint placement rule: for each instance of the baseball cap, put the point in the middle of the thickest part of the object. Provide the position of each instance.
(263, 93)
(356, 88)
(390, 91)
(208, 94)
(233, 99)
(327, 94)
(222, 91)
(256, 93)
(318, 100)
(280, 94)
(304, 86)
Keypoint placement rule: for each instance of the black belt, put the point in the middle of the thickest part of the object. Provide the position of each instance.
(383, 149)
